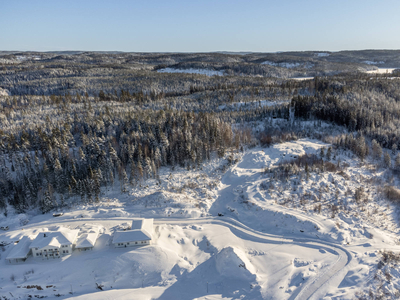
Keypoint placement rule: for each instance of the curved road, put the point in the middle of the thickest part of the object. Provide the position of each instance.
(245, 232)
(248, 180)
(313, 284)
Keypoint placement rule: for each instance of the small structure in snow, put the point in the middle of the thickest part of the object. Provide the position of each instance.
(58, 214)
(86, 241)
(53, 244)
(125, 226)
(5, 228)
(88, 237)
(21, 250)
(140, 234)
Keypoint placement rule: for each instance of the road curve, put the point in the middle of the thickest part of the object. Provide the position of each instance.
(309, 288)
(312, 284)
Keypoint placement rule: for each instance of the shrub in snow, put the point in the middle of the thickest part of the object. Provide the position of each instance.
(392, 193)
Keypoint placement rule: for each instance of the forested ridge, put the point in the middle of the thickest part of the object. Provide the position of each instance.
(366, 105)
(71, 125)
(80, 156)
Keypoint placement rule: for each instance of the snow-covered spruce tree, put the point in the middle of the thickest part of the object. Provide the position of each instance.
(47, 202)
(96, 185)
(59, 177)
(387, 161)
(397, 162)
(376, 150)
(123, 181)
(88, 183)
(62, 201)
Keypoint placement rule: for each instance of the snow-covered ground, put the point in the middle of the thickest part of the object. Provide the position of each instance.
(369, 62)
(288, 65)
(382, 71)
(192, 71)
(252, 104)
(222, 232)
(302, 78)
(4, 92)
(322, 54)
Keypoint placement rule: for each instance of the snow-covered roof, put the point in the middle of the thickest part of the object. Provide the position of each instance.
(64, 236)
(87, 240)
(54, 242)
(143, 224)
(21, 249)
(137, 224)
(142, 230)
(131, 236)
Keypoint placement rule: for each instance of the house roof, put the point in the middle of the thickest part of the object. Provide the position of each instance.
(54, 242)
(131, 236)
(137, 224)
(142, 230)
(143, 224)
(87, 240)
(64, 236)
(21, 250)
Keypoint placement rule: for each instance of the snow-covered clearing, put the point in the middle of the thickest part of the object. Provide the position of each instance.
(288, 65)
(382, 71)
(224, 231)
(373, 62)
(322, 54)
(192, 71)
(302, 78)
(252, 104)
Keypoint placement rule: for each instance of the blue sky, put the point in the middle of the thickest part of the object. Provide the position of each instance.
(199, 26)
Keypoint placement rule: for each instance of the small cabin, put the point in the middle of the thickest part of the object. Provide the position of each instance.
(86, 241)
(140, 235)
(20, 251)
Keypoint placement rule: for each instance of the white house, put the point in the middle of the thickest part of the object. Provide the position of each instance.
(141, 234)
(86, 241)
(53, 244)
(20, 251)
(87, 237)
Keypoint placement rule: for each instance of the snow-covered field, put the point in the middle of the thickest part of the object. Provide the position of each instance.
(222, 232)
(382, 71)
(369, 62)
(192, 71)
(288, 65)
(302, 78)
(252, 104)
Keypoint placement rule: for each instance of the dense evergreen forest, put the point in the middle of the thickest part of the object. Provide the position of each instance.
(71, 124)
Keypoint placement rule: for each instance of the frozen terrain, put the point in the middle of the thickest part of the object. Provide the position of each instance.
(192, 71)
(223, 231)
(322, 54)
(382, 71)
(369, 62)
(289, 65)
(251, 104)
